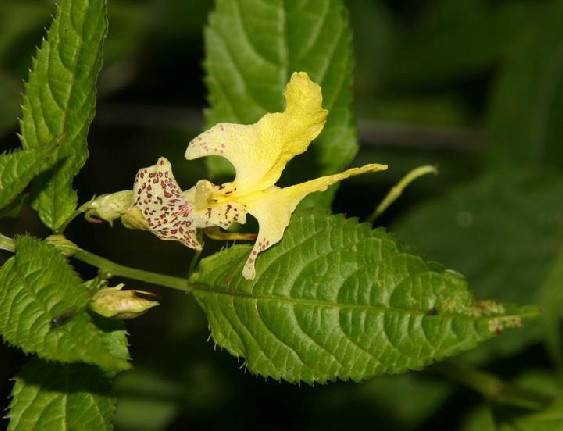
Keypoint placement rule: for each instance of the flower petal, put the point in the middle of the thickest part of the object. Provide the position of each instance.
(273, 208)
(158, 197)
(208, 212)
(259, 152)
(223, 215)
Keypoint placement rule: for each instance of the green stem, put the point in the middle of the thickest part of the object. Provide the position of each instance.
(115, 269)
(75, 214)
(491, 387)
(396, 190)
(108, 267)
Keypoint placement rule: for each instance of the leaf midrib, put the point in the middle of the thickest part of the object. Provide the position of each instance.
(204, 289)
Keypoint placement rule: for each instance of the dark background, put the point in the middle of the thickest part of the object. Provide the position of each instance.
(427, 74)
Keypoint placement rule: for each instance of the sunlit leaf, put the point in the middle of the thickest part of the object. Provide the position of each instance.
(37, 287)
(337, 300)
(62, 397)
(60, 98)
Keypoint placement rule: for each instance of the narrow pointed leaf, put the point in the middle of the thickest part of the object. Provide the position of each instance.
(253, 47)
(19, 168)
(337, 300)
(62, 397)
(36, 286)
(60, 98)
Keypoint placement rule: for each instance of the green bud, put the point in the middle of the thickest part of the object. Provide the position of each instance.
(121, 304)
(110, 207)
(64, 246)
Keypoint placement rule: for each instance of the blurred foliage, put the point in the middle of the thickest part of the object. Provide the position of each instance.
(471, 86)
(501, 418)
(527, 105)
(492, 232)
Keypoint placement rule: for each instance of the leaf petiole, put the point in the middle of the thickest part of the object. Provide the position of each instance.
(82, 208)
(109, 268)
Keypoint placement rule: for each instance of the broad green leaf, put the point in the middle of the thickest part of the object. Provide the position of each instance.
(335, 299)
(60, 99)
(526, 118)
(19, 168)
(503, 232)
(114, 335)
(62, 397)
(36, 286)
(253, 47)
(67, 396)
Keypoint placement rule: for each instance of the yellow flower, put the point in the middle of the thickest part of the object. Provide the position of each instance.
(259, 152)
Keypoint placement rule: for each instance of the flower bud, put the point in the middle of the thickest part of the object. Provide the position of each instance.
(121, 304)
(110, 207)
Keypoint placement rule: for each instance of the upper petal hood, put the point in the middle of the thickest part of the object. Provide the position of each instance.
(259, 152)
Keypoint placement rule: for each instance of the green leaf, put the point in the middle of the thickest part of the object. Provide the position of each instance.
(36, 286)
(492, 232)
(335, 299)
(19, 168)
(526, 118)
(14, 208)
(253, 47)
(62, 397)
(60, 98)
